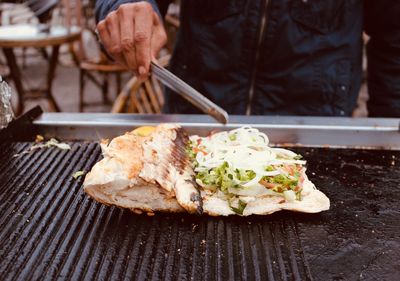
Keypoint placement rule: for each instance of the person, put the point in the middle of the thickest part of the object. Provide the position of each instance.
(276, 57)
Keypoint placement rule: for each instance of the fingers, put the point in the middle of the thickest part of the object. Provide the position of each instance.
(133, 35)
(142, 37)
(114, 34)
(110, 38)
(127, 27)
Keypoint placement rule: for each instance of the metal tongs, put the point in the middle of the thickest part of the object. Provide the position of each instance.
(190, 94)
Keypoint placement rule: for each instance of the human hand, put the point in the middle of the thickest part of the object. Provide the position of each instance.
(133, 35)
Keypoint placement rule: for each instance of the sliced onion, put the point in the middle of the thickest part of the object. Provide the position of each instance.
(290, 195)
(249, 150)
(285, 152)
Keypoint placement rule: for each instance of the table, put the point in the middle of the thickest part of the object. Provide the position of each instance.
(36, 36)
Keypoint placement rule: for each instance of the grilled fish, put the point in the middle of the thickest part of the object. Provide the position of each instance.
(146, 173)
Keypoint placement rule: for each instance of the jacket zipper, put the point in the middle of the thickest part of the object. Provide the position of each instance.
(263, 24)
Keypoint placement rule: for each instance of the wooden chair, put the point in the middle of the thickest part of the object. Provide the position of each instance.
(31, 11)
(144, 97)
(42, 8)
(90, 68)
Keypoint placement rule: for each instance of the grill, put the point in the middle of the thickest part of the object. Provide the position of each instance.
(50, 229)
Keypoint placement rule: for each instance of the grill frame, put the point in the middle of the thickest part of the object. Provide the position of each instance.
(374, 133)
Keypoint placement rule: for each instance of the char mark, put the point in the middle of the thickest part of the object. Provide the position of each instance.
(196, 197)
(178, 152)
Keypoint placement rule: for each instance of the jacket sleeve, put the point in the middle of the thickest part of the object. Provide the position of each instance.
(382, 24)
(103, 7)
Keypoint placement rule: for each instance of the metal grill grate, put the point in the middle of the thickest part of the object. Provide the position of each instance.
(50, 229)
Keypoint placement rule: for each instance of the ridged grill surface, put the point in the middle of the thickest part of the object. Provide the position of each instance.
(49, 228)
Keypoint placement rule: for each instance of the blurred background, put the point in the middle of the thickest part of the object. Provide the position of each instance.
(51, 57)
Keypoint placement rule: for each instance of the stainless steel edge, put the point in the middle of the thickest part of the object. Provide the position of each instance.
(378, 133)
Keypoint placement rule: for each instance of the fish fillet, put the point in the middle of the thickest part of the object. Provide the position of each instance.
(150, 173)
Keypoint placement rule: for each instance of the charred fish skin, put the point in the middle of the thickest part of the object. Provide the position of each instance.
(196, 198)
(167, 163)
(179, 152)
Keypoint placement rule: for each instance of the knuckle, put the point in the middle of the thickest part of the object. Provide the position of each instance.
(108, 20)
(115, 50)
(142, 6)
(101, 26)
(123, 8)
(120, 10)
(141, 36)
(111, 17)
(127, 44)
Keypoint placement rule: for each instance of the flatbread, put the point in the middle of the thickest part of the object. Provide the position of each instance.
(313, 201)
(153, 174)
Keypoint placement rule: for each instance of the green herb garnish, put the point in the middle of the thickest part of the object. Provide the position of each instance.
(241, 206)
(78, 174)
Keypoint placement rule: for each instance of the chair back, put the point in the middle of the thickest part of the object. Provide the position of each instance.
(28, 11)
(72, 13)
(144, 97)
(78, 14)
(42, 8)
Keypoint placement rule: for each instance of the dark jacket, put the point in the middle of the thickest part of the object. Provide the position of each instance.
(286, 57)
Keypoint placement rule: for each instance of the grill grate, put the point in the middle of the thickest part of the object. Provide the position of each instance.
(50, 228)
